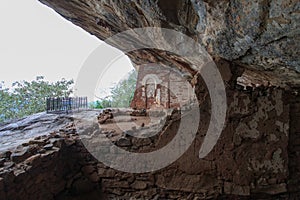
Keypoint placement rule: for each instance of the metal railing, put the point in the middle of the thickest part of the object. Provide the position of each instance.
(66, 104)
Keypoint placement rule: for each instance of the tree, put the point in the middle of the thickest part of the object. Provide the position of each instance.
(104, 103)
(26, 98)
(122, 94)
(95, 105)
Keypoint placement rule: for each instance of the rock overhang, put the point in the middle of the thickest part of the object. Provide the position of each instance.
(260, 37)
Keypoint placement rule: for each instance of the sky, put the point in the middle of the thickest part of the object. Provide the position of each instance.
(35, 40)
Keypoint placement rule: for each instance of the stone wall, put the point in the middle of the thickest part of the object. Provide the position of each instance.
(45, 168)
(256, 156)
(294, 143)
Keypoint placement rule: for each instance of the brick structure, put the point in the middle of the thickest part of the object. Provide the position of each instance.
(161, 86)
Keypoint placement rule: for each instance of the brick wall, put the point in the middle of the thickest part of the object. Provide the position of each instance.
(169, 88)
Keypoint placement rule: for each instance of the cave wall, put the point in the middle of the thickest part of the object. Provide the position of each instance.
(262, 35)
(294, 144)
(257, 155)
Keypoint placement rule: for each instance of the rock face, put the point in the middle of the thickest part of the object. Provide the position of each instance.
(19, 131)
(257, 154)
(38, 171)
(261, 36)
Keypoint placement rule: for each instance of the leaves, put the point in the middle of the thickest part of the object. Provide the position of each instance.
(26, 98)
(121, 94)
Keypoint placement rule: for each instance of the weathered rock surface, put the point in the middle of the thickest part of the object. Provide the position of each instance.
(257, 156)
(262, 36)
(16, 132)
(20, 131)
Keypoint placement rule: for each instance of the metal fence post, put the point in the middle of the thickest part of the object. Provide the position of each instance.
(65, 104)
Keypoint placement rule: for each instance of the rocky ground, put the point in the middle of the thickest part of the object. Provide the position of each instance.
(17, 132)
(39, 149)
(58, 164)
(14, 133)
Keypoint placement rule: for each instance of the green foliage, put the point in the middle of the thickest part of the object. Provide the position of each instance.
(27, 98)
(122, 94)
(95, 105)
(105, 103)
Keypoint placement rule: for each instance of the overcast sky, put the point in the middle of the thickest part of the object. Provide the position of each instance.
(37, 41)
